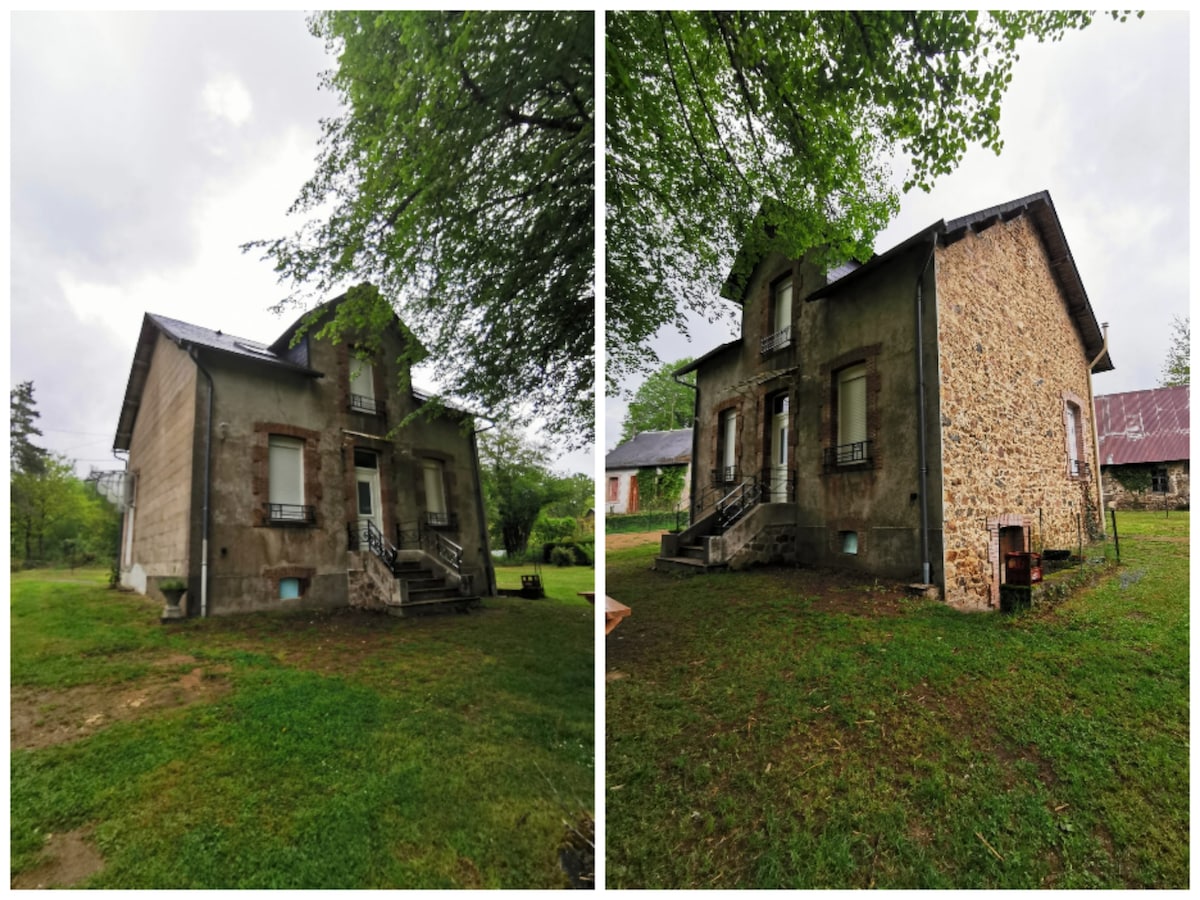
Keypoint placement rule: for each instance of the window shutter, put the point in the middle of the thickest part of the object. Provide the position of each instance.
(852, 405)
(285, 471)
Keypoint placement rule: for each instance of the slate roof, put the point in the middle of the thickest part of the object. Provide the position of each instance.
(1039, 207)
(652, 448)
(1144, 426)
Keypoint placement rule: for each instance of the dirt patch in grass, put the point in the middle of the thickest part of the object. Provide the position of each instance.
(67, 859)
(636, 539)
(43, 717)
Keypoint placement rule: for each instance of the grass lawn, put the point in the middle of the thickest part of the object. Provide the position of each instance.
(562, 583)
(794, 728)
(297, 750)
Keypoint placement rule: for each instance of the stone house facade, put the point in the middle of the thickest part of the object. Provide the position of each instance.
(295, 475)
(915, 417)
(1145, 448)
(650, 455)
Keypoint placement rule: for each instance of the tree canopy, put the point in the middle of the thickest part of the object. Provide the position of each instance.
(517, 484)
(459, 180)
(712, 115)
(24, 455)
(1177, 367)
(660, 403)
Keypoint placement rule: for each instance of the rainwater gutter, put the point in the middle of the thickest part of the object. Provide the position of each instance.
(695, 437)
(207, 467)
(1095, 428)
(922, 442)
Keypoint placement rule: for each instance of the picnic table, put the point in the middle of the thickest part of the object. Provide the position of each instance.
(614, 612)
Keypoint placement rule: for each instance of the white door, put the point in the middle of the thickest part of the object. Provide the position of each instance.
(777, 489)
(366, 486)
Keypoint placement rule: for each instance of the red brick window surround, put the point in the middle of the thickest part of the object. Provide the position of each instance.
(260, 486)
(1074, 430)
(614, 489)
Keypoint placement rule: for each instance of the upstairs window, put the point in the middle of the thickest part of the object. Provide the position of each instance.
(1073, 420)
(436, 514)
(362, 387)
(780, 335)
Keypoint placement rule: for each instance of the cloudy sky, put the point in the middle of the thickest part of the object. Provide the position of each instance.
(1100, 120)
(145, 148)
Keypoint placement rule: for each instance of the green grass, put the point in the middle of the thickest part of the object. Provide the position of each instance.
(789, 728)
(562, 584)
(348, 751)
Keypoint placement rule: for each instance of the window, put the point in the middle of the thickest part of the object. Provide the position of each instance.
(289, 588)
(1073, 422)
(285, 478)
(362, 386)
(849, 541)
(780, 335)
(614, 489)
(436, 514)
(852, 446)
(1160, 482)
(726, 471)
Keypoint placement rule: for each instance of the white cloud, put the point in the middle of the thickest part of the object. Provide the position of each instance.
(226, 98)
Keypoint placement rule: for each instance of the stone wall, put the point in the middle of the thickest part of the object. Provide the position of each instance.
(1119, 496)
(1010, 360)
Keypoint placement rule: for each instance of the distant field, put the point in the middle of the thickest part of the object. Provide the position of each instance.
(300, 750)
(795, 728)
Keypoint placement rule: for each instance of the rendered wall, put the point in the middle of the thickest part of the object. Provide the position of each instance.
(160, 454)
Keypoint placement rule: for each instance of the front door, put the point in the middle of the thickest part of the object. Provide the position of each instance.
(777, 479)
(366, 486)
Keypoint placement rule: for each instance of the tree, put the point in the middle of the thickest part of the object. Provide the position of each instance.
(1177, 368)
(24, 455)
(459, 180)
(661, 403)
(714, 117)
(516, 485)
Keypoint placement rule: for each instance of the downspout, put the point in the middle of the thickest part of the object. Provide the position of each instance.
(692, 494)
(207, 467)
(489, 569)
(1095, 429)
(922, 442)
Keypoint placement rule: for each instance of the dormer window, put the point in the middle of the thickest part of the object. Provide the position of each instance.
(781, 317)
(362, 387)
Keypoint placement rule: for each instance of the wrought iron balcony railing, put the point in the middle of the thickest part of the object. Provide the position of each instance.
(442, 520)
(1080, 468)
(725, 475)
(846, 455)
(777, 341)
(291, 514)
(369, 405)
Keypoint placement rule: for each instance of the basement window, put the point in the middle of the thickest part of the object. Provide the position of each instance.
(289, 588)
(849, 541)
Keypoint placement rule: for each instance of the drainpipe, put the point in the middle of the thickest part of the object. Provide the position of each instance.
(489, 569)
(1095, 430)
(692, 495)
(207, 467)
(922, 443)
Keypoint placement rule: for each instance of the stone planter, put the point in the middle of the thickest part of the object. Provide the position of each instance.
(172, 611)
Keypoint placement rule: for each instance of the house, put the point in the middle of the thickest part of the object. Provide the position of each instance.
(919, 416)
(289, 475)
(1145, 442)
(653, 470)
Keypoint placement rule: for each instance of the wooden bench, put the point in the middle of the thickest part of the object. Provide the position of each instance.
(614, 612)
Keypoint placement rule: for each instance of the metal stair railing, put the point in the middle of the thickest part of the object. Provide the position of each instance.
(365, 532)
(739, 501)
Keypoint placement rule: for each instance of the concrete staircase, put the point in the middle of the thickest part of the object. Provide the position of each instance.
(423, 590)
(692, 552)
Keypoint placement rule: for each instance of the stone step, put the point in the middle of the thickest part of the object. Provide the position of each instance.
(433, 606)
(686, 565)
(692, 551)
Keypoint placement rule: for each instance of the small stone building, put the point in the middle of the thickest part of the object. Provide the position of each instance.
(656, 459)
(290, 475)
(918, 416)
(1145, 448)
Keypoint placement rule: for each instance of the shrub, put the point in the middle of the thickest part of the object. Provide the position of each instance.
(562, 556)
